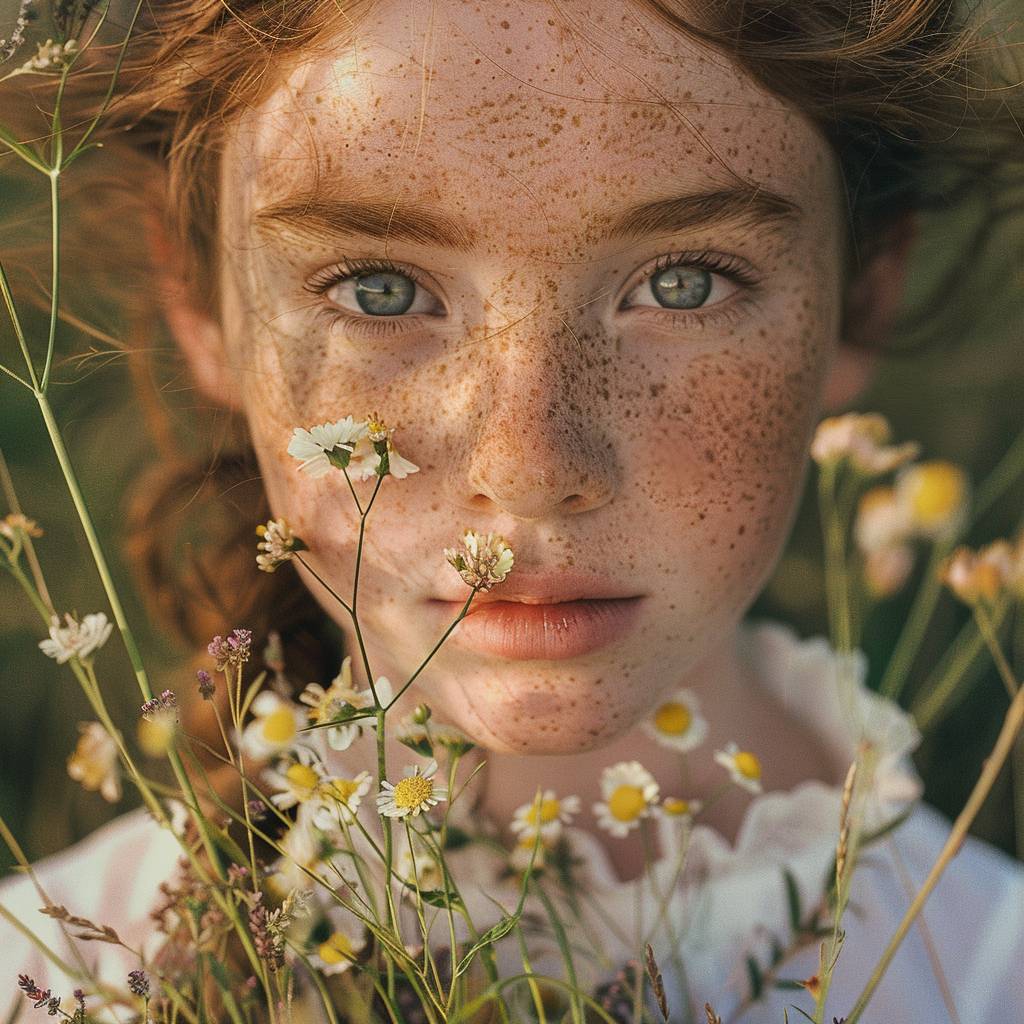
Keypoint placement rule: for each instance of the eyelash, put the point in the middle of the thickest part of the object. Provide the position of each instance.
(730, 267)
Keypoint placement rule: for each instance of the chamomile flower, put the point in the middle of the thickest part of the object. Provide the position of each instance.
(94, 762)
(337, 800)
(377, 455)
(76, 639)
(329, 444)
(629, 792)
(338, 952)
(296, 780)
(326, 705)
(680, 810)
(483, 561)
(742, 765)
(979, 577)
(677, 722)
(862, 439)
(275, 727)
(522, 852)
(547, 814)
(935, 496)
(303, 848)
(415, 793)
(417, 866)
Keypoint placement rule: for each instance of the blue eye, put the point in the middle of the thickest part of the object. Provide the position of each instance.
(374, 288)
(681, 287)
(385, 294)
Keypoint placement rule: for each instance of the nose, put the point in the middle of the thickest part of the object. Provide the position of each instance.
(540, 444)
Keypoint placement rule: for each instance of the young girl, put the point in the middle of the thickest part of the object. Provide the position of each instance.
(604, 265)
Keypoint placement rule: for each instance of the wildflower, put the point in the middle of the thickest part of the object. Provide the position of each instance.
(678, 723)
(337, 799)
(159, 723)
(415, 793)
(629, 792)
(50, 56)
(417, 867)
(523, 852)
(338, 952)
(935, 497)
(275, 727)
(887, 569)
(94, 762)
(206, 687)
(138, 984)
(277, 544)
(76, 639)
(882, 520)
(11, 45)
(267, 933)
(546, 814)
(979, 577)
(232, 651)
(388, 462)
(862, 439)
(743, 766)
(14, 527)
(302, 848)
(483, 561)
(340, 698)
(330, 444)
(681, 810)
(295, 781)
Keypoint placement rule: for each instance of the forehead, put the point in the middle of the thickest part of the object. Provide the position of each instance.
(487, 108)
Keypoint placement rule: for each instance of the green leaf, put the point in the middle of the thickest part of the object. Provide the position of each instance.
(439, 897)
(789, 984)
(250, 694)
(792, 900)
(756, 978)
(489, 937)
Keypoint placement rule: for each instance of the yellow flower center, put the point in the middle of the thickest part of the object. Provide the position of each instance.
(302, 777)
(673, 718)
(543, 813)
(938, 492)
(279, 726)
(675, 806)
(342, 790)
(627, 803)
(747, 765)
(413, 792)
(337, 949)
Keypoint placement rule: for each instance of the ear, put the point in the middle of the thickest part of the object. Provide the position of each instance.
(196, 331)
(871, 304)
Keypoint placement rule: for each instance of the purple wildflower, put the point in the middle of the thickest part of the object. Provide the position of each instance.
(232, 651)
(206, 686)
(138, 983)
(167, 701)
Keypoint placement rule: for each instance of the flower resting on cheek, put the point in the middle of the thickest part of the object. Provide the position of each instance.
(329, 444)
(483, 561)
(94, 763)
(630, 792)
(742, 765)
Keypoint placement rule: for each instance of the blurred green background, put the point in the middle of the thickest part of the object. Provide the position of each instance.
(961, 397)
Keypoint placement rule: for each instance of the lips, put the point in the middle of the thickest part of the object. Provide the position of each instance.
(544, 617)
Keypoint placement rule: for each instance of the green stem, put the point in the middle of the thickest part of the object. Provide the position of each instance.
(12, 312)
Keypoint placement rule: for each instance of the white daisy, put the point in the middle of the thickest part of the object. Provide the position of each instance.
(275, 727)
(743, 766)
(326, 445)
(327, 705)
(680, 810)
(337, 799)
(415, 793)
(94, 762)
(339, 951)
(629, 792)
(76, 639)
(546, 815)
(296, 780)
(677, 722)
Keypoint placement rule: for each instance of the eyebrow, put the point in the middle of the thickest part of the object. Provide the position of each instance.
(332, 218)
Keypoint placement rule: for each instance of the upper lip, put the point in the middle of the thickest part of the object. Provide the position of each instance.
(544, 587)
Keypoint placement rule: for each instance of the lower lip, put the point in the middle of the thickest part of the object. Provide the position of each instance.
(543, 632)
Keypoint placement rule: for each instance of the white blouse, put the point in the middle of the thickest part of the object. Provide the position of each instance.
(729, 904)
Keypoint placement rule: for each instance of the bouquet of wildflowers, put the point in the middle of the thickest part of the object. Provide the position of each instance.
(337, 893)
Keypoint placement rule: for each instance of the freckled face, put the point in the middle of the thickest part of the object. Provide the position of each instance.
(608, 413)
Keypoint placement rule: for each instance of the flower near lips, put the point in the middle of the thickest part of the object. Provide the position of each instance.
(742, 765)
(328, 445)
(677, 722)
(483, 561)
(862, 440)
(388, 461)
(546, 814)
(630, 792)
(94, 762)
(415, 793)
(277, 544)
(76, 639)
(935, 497)
(275, 727)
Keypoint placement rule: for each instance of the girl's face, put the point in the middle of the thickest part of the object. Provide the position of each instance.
(592, 273)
